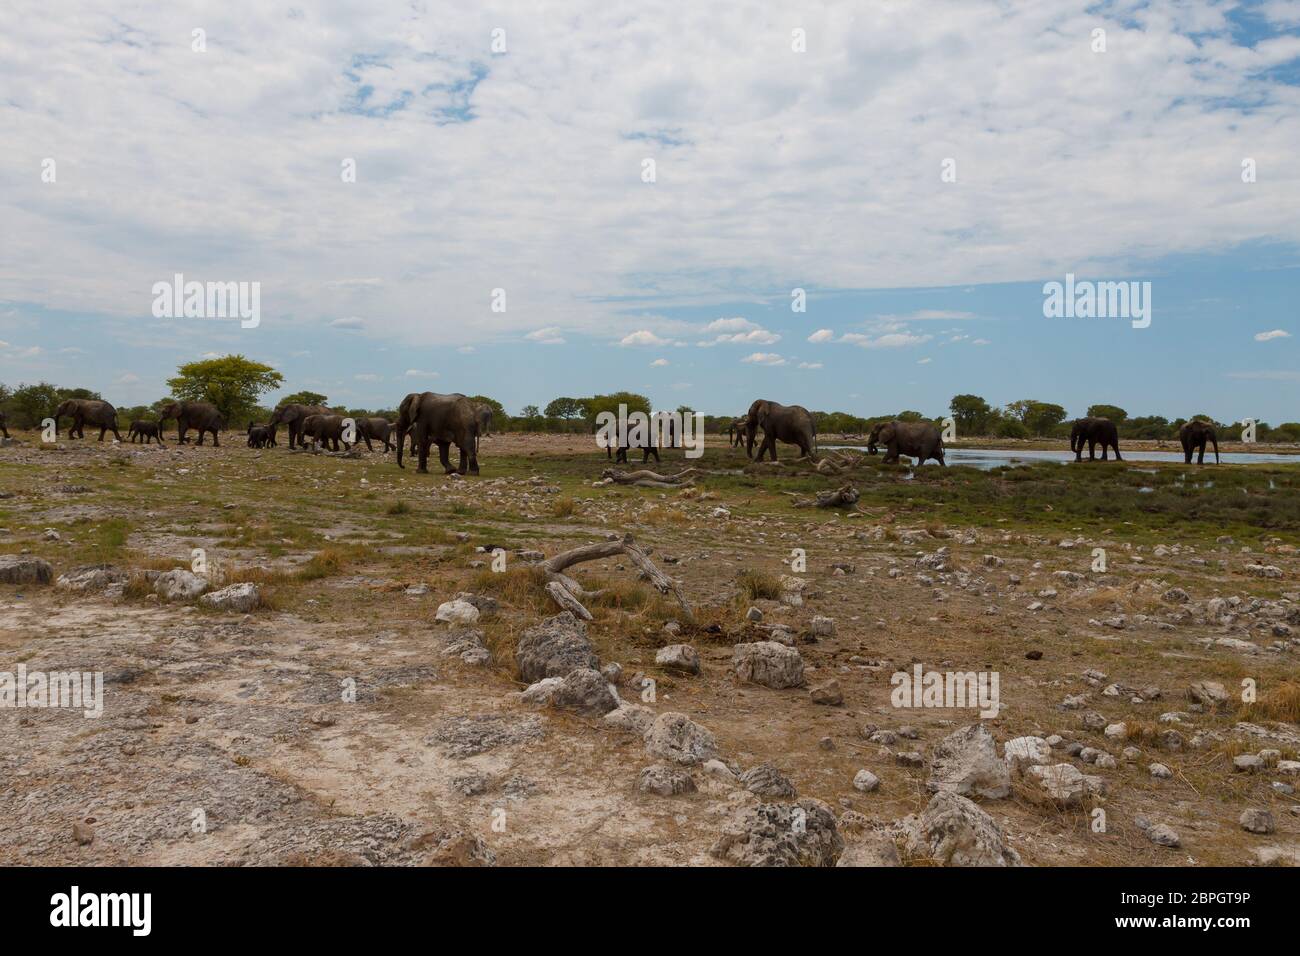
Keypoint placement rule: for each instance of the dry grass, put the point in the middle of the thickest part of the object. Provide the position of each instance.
(759, 585)
(1281, 702)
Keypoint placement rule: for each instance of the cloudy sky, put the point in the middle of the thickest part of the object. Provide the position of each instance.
(919, 168)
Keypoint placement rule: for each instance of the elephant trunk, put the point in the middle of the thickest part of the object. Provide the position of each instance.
(401, 441)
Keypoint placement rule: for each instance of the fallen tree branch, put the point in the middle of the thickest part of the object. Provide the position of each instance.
(565, 591)
(650, 479)
(843, 497)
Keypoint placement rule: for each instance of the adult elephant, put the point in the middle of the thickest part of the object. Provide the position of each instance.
(792, 424)
(920, 441)
(1194, 435)
(83, 410)
(327, 430)
(483, 417)
(377, 429)
(291, 416)
(202, 416)
(442, 420)
(1094, 431)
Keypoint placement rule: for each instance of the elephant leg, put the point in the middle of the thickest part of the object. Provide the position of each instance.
(463, 465)
(369, 447)
(769, 444)
(444, 458)
(216, 440)
(1117, 454)
(1200, 458)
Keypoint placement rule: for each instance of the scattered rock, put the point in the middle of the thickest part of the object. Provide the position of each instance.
(553, 648)
(866, 781)
(240, 598)
(953, 831)
(682, 658)
(457, 612)
(769, 664)
(179, 585)
(665, 781)
(966, 762)
(768, 782)
(828, 693)
(1257, 821)
(876, 849)
(24, 569)
(781, 834)
(677, 738)
(1065, 785)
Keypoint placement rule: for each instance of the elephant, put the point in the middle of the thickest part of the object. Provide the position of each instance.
(738, 431)
(792, 424)
(483, 415)
(85, 410)
(144, 431)
(261, 436)
(1094, 431)
(440, 420)
(1194, 435)
(202, 416)
(327, 430)
(292, 415)
(920, 441)
(3, 429)
(377, 428)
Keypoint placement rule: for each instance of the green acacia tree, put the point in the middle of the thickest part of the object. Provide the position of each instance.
(232, 383)
(304, 398)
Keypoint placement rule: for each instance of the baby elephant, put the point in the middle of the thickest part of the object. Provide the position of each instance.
(261, 436)
(143, 431)
(920, 441)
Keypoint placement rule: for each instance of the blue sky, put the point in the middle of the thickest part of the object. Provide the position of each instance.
(522, 168)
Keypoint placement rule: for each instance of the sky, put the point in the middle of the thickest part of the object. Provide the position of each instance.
(919, 168)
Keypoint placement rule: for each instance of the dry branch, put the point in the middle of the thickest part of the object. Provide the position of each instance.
(843, 497)
(565, 591)
(650, 479)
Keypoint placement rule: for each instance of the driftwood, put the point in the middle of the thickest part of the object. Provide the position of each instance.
(568, 593)
(844, 497)
(650, 479)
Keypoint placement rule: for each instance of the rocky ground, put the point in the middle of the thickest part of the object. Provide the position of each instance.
(350, 681)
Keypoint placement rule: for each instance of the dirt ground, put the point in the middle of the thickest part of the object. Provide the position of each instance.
(226, 737)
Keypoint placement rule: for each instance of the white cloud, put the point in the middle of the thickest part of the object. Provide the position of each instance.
(822, 335)
(890, 340)
(925, 361)
(1289, 375)
(1274, 334)
(466, 350)
(348, 322)
(366, 377)
(718, 326)
(642, 337)
(810, 364)
(763, 358)
(659, 363)
(547, 336)
(981, 342)
(419, 373)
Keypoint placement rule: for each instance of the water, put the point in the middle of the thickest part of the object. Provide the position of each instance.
(986, 458)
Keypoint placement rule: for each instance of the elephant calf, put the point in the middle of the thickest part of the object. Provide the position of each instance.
(261, 436)
(324, 429)
(378, 429)
(920, 441)
(144, 431)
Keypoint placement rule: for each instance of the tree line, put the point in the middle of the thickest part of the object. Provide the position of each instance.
(236, 386)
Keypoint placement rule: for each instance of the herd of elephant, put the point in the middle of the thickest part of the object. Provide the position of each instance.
(428, 418)
(431, 418)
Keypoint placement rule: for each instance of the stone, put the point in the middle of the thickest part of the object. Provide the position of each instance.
(822, 627)
(583, 690)
(1175, 596)
(781, 834)
(754, 615)
(553, 648)
(240, 598)
(1164, 835)
(1247, 763)
(676, 737)
(457, 612)
(866, 781)
(91, 577)
(83, 833)
(769, 664)
(179, 585)
(828, 694)
(876, 849)
(665, 781)
(1207, 693)
(966, 762)
(719, 771)
(22, 569)
(1257, 821)
(768, 782)
(953, 831)
(631, 718)
(1160, 771)
(1021, 752)
(1064, 785)
(681, 658)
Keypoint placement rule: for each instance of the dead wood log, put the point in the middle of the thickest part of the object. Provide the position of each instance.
(845, 496)
(650, 479)
(564, 589)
